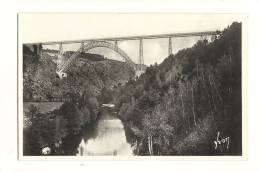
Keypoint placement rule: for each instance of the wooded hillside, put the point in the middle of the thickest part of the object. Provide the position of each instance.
(179, 106)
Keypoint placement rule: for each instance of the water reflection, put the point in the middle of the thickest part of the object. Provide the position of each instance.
(110, 139)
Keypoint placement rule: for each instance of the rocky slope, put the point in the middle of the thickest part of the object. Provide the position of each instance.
(89, 72)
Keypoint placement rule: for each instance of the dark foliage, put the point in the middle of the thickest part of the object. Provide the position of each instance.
(62, 129)
(177, 107)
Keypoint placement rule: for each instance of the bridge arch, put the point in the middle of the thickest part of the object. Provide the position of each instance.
(96, 44)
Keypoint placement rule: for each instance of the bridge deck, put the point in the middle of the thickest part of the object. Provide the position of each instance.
(188, 34)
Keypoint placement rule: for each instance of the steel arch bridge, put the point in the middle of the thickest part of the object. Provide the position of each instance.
(63, 66)
(111, 43)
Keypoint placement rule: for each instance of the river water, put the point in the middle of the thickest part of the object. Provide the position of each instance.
(110, 139)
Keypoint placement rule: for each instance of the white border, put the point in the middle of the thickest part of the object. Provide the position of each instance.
(219, 158)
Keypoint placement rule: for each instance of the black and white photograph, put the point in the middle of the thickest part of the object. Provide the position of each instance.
(133, 85)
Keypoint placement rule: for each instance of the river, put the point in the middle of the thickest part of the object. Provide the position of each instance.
(110, 138)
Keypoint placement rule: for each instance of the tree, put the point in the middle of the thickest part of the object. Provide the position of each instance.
(72, 114)
(33, 110)
(156, 129)
(106, 96)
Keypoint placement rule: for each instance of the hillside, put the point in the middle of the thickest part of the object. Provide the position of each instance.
(61, 125)
(89, 73)
(180, 106)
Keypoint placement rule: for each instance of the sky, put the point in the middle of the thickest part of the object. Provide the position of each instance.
(42, 27)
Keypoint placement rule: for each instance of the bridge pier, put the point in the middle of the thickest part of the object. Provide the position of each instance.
(116, 45)
(60, 62)
(36, 49)
(82, 47)
(60, 57)
(140, 69)
(202, 37)
(141, 58)
(170, 46)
